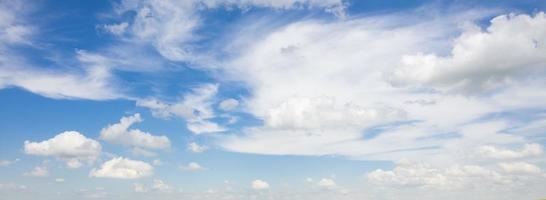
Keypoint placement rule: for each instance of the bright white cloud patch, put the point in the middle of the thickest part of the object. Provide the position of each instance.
(122, 168)
(121, 134)
(259, 185)
(510, 49)
(71, 147)
(489, 151)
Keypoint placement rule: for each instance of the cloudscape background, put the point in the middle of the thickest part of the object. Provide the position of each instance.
(272, 99)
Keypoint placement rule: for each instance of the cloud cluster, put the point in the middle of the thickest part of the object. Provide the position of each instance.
(71, 147)
(121, 134)
(259, 185)
(482, 60)
(122, 168)
(354, 87)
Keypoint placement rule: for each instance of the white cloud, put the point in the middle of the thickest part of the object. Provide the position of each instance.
(161, 186)
(326, 183)
(93, 81)
(482, 60)
(169, 25)
(59, 180)
(192, 166)
(121, 134)
(196, 148)
(520, 167)
(228, 104)
(201, 127)
(71, 147)
(259, 185)
(195, 107)
(425, 176)
(116, 29)
(13, 30)
(335, 97)
(488, 151)
(122, 168)
(38, 171)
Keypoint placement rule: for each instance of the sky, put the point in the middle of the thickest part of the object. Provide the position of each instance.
(272, 99)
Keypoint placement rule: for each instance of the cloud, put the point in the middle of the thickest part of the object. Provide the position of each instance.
(13, 29)
(71, 147)
(337, 97)
(59, 180)
(157, 186)
(520, 168)
(196, 148)
(195, 107)
(259, 185)
(326, 183)
(122, 168)
(121, 134)
(488, 151)
(94, 81)
(116, 29)
(38, 171)
(482, 60)
(426, 176)
(228, 104)
(169, 26)
(192, 166)
(86, 79)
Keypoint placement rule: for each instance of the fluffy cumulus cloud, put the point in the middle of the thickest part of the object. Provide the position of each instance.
(122, 168)
(457, 177)
(121, 134)
(71, 147)
(195, 107)
(259, 185)
(483, 59)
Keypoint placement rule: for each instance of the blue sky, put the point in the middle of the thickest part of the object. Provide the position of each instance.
(266, 99)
